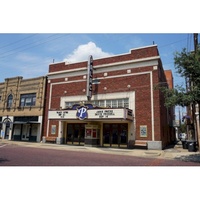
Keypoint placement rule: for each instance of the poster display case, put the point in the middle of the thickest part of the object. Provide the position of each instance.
(92, 135)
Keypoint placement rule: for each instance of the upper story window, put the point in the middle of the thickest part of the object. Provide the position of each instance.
(112, 103)
(9, 101)
(27, 99)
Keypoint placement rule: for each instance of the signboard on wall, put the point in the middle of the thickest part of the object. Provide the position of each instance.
(89, 78)
(89, 111)
(53, 129)
(143, 131)
(93, 114)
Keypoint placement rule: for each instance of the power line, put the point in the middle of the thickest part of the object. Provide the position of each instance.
(172, 43)
(10, 44)
(22, 46)
(30, 47)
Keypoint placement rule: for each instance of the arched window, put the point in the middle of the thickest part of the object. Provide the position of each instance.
(9, 101)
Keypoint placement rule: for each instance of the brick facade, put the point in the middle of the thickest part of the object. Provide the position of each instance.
(137, 72)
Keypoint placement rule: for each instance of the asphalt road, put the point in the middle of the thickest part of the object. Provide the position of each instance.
(16, 155)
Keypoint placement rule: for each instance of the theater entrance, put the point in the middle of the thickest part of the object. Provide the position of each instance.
(115, 135)
(75, 134)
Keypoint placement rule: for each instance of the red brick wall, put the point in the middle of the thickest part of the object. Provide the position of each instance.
(139, 83)
(53, 122)
(133, 55)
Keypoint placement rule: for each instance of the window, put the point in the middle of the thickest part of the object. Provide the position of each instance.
(9, 101)
(108, 103)
(69, 104)
(27, 100)
(120, 103)
(126, 104)
(112, 103)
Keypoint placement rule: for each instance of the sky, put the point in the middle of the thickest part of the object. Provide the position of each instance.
(29, 55)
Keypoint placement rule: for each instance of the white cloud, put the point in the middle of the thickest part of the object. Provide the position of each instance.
(25, 57)
(83, 51)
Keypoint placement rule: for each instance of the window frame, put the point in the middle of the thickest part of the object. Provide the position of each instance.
(9, 101)
(112, 103)
(27, 100)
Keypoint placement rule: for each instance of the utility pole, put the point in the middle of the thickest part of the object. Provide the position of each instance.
(195, 42)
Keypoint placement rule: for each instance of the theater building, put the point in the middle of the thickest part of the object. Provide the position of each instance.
(21, 108)
(109, 102)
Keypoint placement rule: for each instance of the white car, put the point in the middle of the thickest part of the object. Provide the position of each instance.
(182, 136)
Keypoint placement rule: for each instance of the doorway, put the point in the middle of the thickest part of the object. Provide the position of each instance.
(75, 134)
(26, 129)
(7, 130)
(115, 135)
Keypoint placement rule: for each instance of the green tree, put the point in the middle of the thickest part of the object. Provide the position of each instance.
(187, 65)
(183, 128)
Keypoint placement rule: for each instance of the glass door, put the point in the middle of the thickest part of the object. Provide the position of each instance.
(106, 135)
(25, 132)
(115, 135)
(7, 130)
(69, 137)
(75, 134)
(123, 135)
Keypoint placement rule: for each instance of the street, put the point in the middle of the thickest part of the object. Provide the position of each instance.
(66, 168)
(18, 155)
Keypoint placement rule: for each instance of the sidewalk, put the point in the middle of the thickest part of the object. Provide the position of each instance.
(172, 152)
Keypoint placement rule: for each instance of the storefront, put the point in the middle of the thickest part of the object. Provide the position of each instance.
(6, 127)
(21, 128)
(26, 128)
(92, 126)
(21, 108)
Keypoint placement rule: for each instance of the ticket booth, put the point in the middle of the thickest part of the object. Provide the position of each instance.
(92, 135)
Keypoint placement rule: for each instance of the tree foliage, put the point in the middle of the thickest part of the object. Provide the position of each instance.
(187, 64)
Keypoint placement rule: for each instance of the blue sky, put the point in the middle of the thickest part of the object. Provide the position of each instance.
(29, 55)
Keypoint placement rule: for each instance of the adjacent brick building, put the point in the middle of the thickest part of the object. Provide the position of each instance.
(125, 109)
(21, 108)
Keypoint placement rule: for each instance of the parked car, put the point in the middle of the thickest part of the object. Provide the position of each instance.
(182, 136)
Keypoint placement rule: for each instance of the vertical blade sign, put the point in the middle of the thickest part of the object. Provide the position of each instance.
(89, 78)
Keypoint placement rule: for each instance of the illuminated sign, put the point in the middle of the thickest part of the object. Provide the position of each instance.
(89, 78)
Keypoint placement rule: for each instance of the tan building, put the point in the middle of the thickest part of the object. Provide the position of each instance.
(21, 108)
